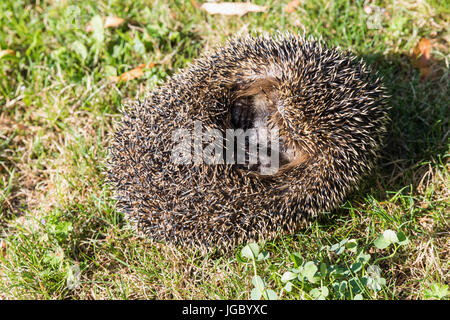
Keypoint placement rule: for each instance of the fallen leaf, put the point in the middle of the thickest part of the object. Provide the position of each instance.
(79, 48)
(422, 57)
(108, 22)
(232, 8)
(112, 22)
(195, 4)
(422, 52)
(291, 6)
(5, 52)
(132, 74)
(424, 205)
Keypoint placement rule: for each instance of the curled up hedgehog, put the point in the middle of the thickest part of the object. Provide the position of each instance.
(251, 141)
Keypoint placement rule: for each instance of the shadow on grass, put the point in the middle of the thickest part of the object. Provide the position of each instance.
(417, 138)
(419, 129)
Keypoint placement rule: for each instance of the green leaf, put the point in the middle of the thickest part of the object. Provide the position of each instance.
(287, 276)
(340, 250)
(352, 245)
(59, 229)
(390, 236)
(309, 270)
(296, 270)
(270, 295)
(337, 271)
(98, 33)
(316, 294)
(335, 247)
(239, 257)
(263, 256)
(340, 288)
(436, 291)
(364, 280)
(374, 281)
(319, 293)
(255, 294)
(373, 284)
(288, 287)
(139, 46)
(259, 283)
(297, 259)
(381, 242)
(402, 238)
(355, 267)
(363, 257)
(356, 285)
(358, 297)
(110, 71)
(80, 49)
(250, 251)
(314, 279)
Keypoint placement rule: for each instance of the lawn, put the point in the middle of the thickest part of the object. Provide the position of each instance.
(61, 236)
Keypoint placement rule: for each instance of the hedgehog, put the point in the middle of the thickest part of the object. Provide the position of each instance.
(324, 110)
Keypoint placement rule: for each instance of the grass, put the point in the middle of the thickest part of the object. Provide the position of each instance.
(58, 223)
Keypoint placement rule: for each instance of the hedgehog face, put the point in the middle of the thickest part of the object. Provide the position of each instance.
(253, 107)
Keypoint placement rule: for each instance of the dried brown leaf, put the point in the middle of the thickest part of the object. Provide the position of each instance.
(195, 4)
(133, 74)
(6, 52)
(421, 58)
(291, 6)
(232, 8)
(108, 22)
(422, 52)
(113, 22)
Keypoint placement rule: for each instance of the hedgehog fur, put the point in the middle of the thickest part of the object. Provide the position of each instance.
(331, 114)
